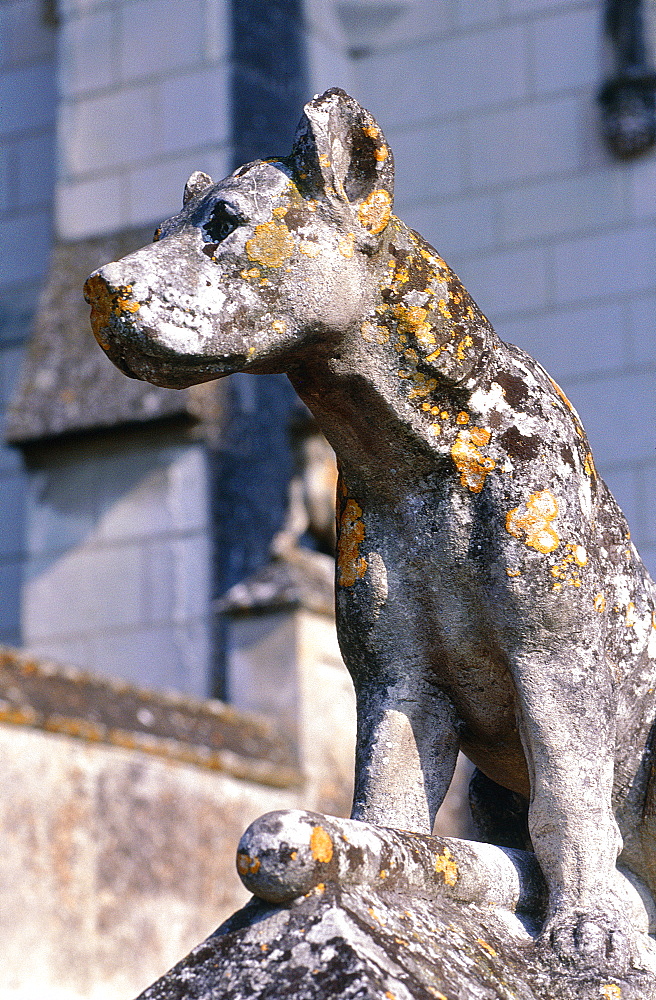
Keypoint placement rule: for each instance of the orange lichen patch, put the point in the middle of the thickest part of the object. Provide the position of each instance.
(157, 234)
(473, 466)
(562, 395)
(513, 572)
(466, 342)
(444, 309)
(264, 947)
(436, 993)
(251, 273)
(383, 873)
(600, 603)
(321, 845)
(412, 323)
(279, 326)
(462, 418)
(568, 569)
(533, 526)
(350, 564)
(435, 429)
(311, 248)
(374, 334)
(589, 465)
(271, 245)
(631, 618)
(105, 303)
(346, 245)
(293, 855)
(381, 153)
(423, 386)
(247, 865)
(445, 865)
(390, 996)
(487, 947)
(374, 212)
(610, 991)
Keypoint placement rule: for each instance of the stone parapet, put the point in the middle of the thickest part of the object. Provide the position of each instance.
(121, 811)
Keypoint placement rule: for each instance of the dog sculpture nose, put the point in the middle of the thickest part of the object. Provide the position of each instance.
(107, 301)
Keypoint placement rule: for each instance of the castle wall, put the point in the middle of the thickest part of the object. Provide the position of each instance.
(27, 140)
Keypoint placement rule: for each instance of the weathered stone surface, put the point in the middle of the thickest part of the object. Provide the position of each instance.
(121, 808)
(489, 596)
(364, 944)
(208, 733)
(67, 385)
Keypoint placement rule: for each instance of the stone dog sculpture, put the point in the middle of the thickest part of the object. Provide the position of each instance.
(488, 595)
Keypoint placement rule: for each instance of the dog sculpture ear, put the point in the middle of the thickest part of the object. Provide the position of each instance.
(196, 184)
(340, 156)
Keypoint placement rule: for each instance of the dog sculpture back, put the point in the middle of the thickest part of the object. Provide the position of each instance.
(488, 595)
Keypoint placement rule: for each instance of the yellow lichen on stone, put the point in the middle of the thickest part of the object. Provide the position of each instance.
(125, 304)
(487, 947)
(473, 466)
(247, 865)
(610, 991)
(311, 248)
(423, 386)
(446, 866)
(631, 618)
(568, 569)
(321, 845)
(533, 526)
(412, 322)
(600, 603)
(374, 334)
(351, 565)
(252, 273)
(271, 245)
(279, 326)
(346, 245)
(462, 418)
(374, 212)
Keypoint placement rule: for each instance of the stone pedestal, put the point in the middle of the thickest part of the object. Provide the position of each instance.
(286, 665)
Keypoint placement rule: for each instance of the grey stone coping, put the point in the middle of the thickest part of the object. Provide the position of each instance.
(365, 944)
(68, 384)
(305, 580)
(208, 733)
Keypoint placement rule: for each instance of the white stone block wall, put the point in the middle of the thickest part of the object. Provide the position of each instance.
(27, 140)
(144, 102)
(117, 574)
(490, 108)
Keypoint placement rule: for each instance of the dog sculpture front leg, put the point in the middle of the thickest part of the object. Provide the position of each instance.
(405, 753)
(569, 749)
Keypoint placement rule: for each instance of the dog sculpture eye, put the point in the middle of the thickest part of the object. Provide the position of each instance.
(221, 223)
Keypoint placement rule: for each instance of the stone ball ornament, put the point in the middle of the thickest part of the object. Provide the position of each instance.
(488, 596)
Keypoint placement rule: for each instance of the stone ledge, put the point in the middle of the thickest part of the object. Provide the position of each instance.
(208, 734)
(371, 946)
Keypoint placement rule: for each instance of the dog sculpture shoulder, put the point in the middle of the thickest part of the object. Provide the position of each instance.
(488, 595)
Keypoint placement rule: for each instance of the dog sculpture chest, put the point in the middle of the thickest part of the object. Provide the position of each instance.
(488, 595)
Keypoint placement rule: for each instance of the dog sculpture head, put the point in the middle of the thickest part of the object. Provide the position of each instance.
(277, 255)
